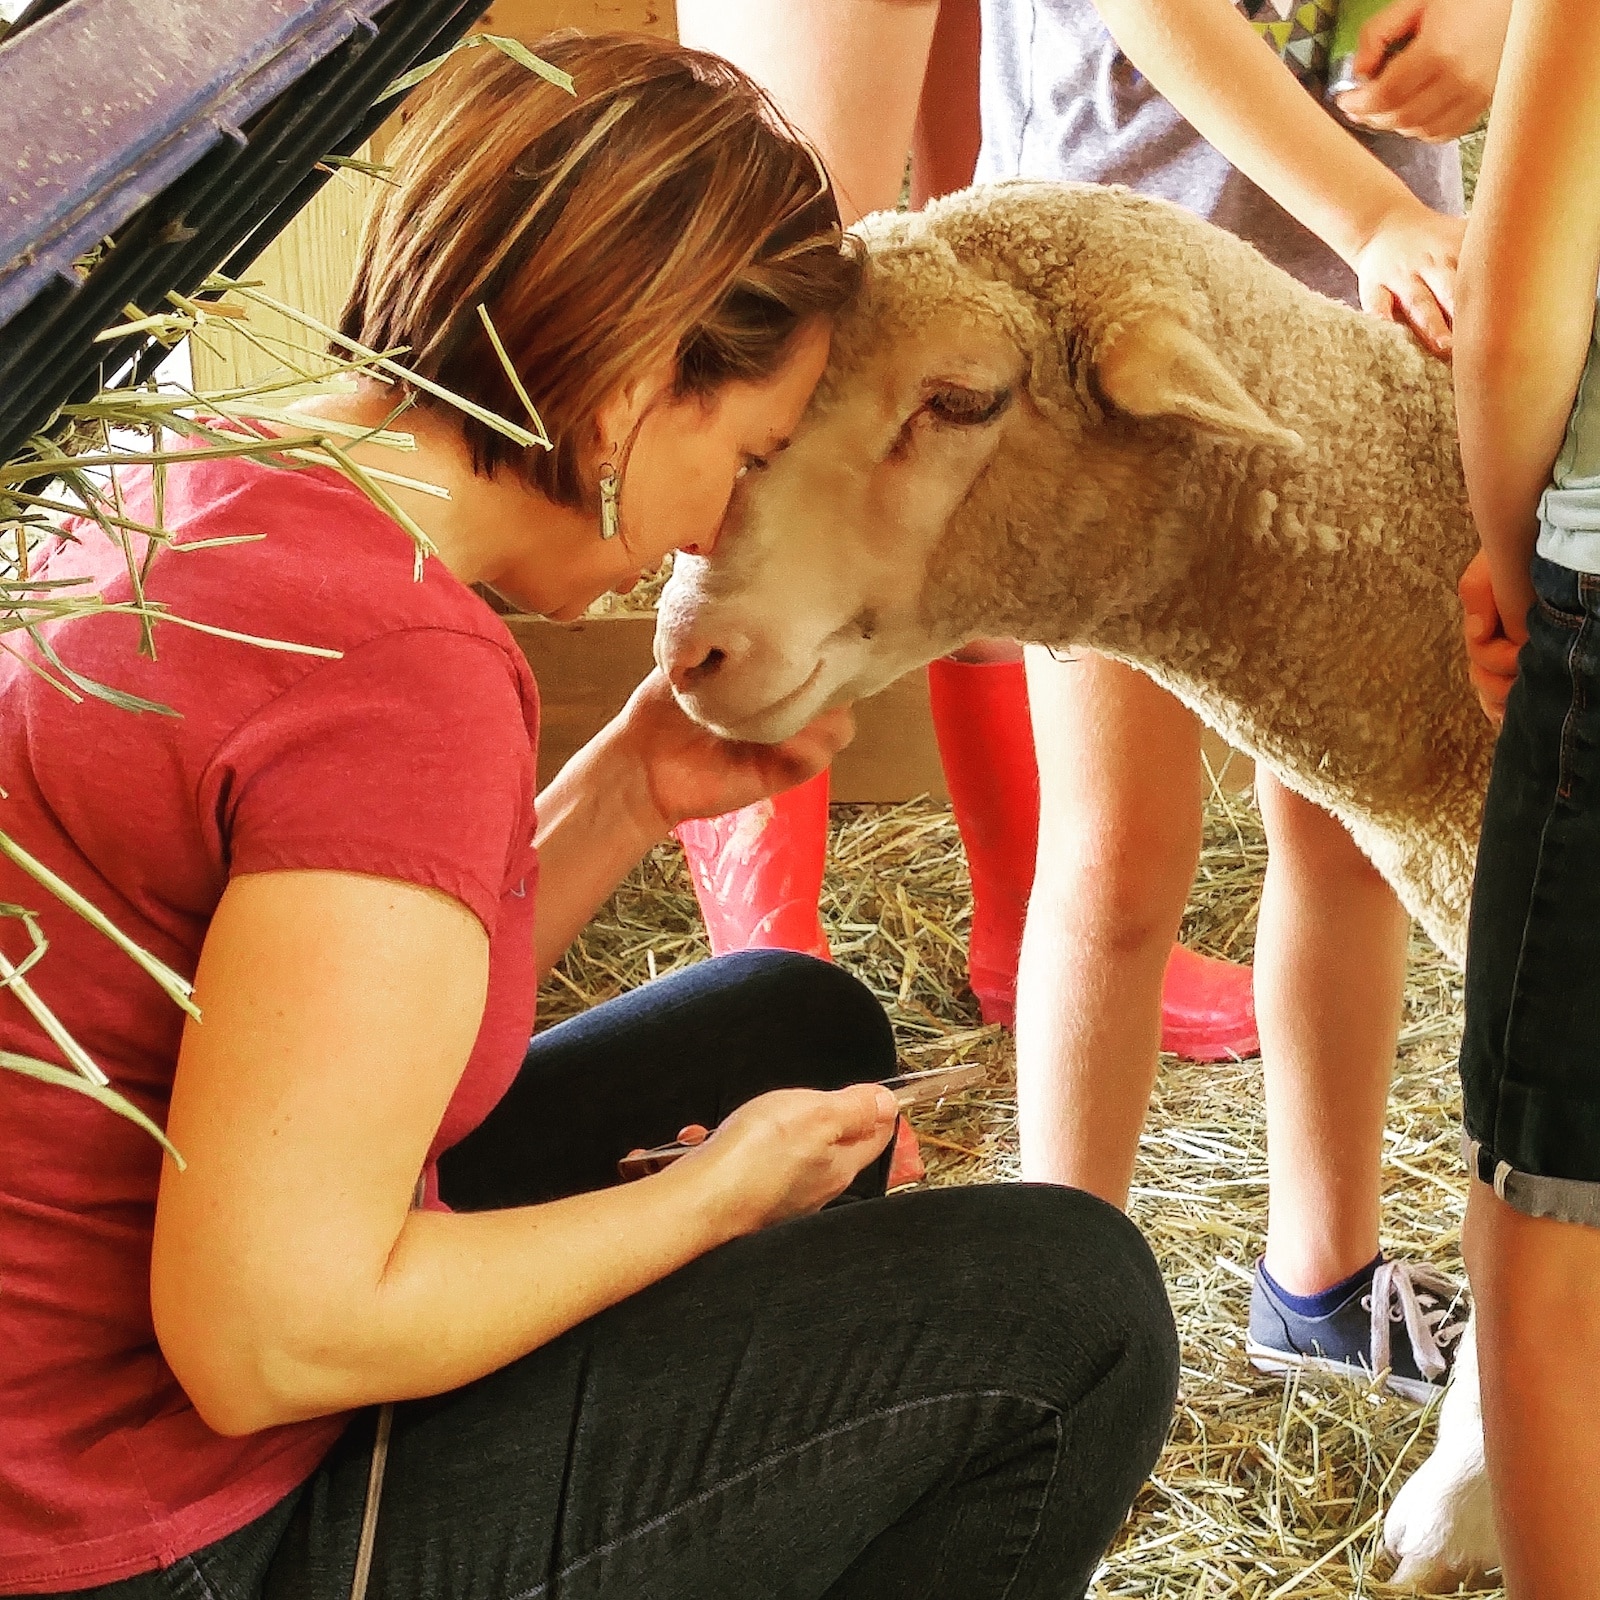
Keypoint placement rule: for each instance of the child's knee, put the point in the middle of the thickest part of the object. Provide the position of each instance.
(1128, 888)
(1311, 843)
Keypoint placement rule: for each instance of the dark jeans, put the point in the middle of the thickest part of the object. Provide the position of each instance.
(1530, 1055)
(951, 1393)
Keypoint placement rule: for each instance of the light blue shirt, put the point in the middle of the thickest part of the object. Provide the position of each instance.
(1569, 511)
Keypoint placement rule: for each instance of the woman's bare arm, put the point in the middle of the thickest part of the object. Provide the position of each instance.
(1528, 274)
(596, 824)
(291, 1279)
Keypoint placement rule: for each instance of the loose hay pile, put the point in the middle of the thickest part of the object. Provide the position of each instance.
(1267, 1489)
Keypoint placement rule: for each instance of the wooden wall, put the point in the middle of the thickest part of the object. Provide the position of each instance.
(309, 266)
(587, 670)
(528, 19)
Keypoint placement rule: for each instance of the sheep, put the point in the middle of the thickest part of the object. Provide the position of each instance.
(1076, 416)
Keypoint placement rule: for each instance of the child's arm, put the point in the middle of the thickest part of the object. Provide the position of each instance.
(1528, 281)
(849, 74)
(1210, 63)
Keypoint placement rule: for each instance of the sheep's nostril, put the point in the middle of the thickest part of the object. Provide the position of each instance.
(695, 667)
(707, 667)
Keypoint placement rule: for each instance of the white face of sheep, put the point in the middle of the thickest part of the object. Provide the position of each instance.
(846, 561)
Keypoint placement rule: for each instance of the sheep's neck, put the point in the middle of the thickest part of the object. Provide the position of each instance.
(1211, 569)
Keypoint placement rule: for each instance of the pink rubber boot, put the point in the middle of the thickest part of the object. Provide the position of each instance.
(906, 1164)
(757, 873)
(980, 713)
(1208, 1008)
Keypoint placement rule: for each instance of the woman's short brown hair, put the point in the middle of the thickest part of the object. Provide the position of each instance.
(665, 210)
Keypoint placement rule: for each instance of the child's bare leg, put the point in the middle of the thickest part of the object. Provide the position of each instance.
(848, 73)
(1121, 783)
(1537, 1287)
(1330, 978)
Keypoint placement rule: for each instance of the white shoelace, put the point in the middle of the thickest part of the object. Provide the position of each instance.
(1421, 1297)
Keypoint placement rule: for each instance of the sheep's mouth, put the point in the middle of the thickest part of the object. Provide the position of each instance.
(756, 727)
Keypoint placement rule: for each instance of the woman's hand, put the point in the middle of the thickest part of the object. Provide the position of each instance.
(1492, 647)
(1407, 271)
(785, 1154)
(692, 772)
(1438, 85)
(650, 768)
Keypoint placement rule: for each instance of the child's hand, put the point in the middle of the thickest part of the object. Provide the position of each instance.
(1407, 272)
(1438, 86)
(1491, 651)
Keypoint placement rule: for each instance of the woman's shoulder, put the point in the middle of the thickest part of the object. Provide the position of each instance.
(305, 552)
(266, 578)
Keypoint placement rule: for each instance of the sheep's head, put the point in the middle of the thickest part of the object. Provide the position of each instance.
(955, 408)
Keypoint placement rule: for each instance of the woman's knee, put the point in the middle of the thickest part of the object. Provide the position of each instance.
(1057, 1289)
(1091, 1257)
(814, 1011)
(1102, 1328)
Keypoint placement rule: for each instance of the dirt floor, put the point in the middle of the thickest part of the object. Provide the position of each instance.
(1267, 1489)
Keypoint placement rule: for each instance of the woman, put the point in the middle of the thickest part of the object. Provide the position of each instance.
(395, 1328)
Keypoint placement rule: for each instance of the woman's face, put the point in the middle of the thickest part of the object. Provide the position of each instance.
(687, 455)
(692, 450)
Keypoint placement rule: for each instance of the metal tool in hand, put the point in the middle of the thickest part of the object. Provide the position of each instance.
(909, 1089)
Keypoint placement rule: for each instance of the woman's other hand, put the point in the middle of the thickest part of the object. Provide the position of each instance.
(692, 772)
(1491, 646)
(1437, 85)
(786, 1154)
(1407, 272)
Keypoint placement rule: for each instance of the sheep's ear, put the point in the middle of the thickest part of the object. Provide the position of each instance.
(1157, 367)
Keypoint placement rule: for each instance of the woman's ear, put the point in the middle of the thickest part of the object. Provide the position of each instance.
(618, 416)
(1158, 367)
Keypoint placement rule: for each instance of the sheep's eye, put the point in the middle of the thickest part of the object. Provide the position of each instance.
(966, 408)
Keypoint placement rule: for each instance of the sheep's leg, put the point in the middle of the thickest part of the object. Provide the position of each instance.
(1440, 1528)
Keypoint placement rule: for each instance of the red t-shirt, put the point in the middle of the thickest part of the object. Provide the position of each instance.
(410, 757)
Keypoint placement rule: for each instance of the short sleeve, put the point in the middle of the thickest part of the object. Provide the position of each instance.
(410, 757)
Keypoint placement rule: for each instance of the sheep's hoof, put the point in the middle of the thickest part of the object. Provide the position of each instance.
(1440, 1530)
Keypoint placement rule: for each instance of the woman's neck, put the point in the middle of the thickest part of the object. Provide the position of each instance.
(494, 530)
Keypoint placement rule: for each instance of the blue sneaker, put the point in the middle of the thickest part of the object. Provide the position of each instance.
(1405, 1324)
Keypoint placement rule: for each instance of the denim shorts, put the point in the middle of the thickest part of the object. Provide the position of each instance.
(1530, 1057)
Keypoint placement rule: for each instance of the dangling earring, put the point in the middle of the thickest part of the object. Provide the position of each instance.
(610, 502)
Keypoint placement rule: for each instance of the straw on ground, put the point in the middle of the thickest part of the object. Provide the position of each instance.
(1268, 1490)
